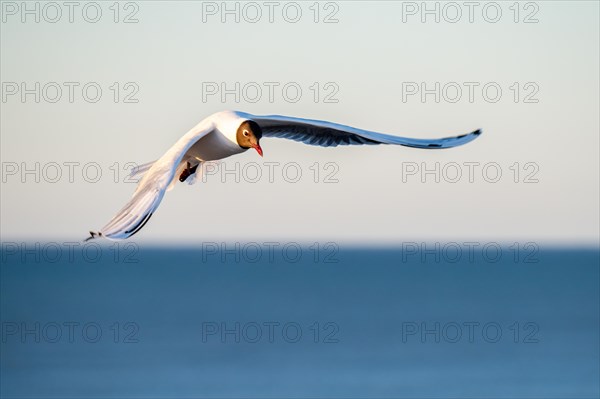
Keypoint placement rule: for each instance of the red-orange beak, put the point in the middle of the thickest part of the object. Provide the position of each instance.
(258, 149)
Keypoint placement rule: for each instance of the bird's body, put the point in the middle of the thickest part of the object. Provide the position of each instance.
(228, 133)
(212, 147)
(221, 142)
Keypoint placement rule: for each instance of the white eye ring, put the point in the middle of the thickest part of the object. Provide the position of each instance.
(246, 133)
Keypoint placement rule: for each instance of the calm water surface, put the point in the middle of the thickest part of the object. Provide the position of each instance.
(183, 322)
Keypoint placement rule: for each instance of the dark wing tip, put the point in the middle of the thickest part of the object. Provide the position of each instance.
(459, 140)
(475, 133)
(93, 235)
(471, 136)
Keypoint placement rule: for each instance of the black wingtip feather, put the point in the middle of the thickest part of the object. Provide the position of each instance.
(475, 133)
(93, 235)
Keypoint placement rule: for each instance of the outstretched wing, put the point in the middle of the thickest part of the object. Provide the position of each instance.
(328, 134)
(151, 189)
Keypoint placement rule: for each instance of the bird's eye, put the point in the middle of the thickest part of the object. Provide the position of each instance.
(246, 133)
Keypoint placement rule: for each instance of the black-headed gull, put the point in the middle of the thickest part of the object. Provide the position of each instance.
(228, 133)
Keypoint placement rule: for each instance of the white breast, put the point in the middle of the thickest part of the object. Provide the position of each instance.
(220, 143)
(213, 146)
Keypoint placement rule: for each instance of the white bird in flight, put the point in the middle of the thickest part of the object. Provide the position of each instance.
(231, 132)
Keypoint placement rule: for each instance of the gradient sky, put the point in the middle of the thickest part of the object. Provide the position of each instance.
(370, 53)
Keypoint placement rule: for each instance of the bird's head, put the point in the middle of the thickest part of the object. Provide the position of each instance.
(248, 136)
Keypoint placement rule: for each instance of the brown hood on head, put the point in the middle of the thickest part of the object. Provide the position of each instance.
(248, 135)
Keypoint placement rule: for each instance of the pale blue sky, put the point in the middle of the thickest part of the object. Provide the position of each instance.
(368, 54)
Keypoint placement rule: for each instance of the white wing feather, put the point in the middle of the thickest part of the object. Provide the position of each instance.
(138, 171)
(151, 189)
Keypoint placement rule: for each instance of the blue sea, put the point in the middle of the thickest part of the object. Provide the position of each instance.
(307, 321)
